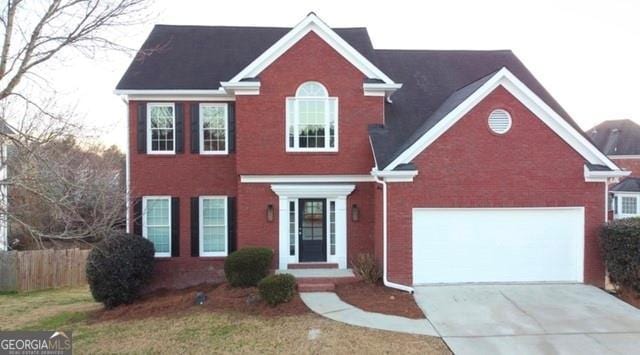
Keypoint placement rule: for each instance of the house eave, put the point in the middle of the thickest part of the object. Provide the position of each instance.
(603, 176)
(395, 175)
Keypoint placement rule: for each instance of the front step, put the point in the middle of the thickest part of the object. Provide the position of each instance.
(320, 280)
(297, 266)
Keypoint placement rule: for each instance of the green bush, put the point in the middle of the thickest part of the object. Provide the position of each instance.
(276, 289)
(621, 250)
(119, 267)
(366, 267)
(247, 266)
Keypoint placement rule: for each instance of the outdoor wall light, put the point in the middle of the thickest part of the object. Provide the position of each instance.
(270, 213)
(355, 213)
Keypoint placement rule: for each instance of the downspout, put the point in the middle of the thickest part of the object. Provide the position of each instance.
(385, 280)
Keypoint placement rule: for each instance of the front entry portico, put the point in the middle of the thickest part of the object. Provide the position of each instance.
(312, 223)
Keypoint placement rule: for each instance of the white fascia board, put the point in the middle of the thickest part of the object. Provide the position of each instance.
(625, 193)
(379, 89)
(308, 24)
(598, 176)
(624, 157)
(241, 87)
(395, 175)
(312, 190)
(176, 95)
(529, 99)
(275, 179)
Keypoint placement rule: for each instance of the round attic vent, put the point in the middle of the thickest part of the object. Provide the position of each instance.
(500, 121)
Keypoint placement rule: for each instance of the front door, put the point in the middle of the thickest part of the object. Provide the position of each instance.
(312, 230)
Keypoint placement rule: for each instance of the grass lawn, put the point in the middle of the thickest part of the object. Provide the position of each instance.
(196, 330)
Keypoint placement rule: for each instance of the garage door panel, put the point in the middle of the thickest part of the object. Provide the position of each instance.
(497, 245)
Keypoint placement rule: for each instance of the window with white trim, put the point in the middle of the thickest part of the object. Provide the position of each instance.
(161, 122)
(629, 205)
(213, 226)
(156, 223)
(312, 119)
(214, 118)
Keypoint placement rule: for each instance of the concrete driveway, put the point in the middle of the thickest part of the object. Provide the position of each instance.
(530, 319)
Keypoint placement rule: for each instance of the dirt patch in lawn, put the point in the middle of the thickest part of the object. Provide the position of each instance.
(381, 299)
(220, 297)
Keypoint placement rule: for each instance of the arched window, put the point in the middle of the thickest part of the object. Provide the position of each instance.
(312, 119)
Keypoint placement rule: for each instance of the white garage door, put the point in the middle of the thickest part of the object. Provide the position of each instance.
(497, 245)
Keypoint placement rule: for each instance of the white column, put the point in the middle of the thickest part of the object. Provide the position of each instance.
(341, 231)
(283, 228)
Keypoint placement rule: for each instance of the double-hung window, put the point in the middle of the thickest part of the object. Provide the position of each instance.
(214, 128)
(161, 122)
(312, 119)
(156, 223)
(628, 205)
(213, 226)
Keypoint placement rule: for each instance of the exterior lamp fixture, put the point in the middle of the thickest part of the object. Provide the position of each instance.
(270, 213)
(355, 213)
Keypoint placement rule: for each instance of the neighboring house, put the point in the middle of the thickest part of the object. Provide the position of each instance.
(626, 198)
(620, 141)
(448, 166)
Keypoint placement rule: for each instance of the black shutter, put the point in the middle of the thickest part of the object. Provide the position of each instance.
(231, 225)
(179, 128)
(137, 216)
(175, 226)
(232, 127)
(195, 227)
(195, 128)
(141, 128)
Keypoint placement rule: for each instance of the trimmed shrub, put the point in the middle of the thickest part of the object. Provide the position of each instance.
(247, 266)
(276, 289)
(365, 266)
(621, 250)
(119, 267)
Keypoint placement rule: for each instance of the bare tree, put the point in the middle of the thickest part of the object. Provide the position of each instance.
(59, 189)
(62, 191)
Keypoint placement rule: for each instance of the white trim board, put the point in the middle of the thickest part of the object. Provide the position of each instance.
(529, 99)
(275, 179)
(311, 23)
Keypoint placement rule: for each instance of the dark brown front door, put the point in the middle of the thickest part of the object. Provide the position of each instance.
(312, 230)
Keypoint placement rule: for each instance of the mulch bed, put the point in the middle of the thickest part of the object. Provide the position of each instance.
(629, 296)
(381, 299)
(220, 297)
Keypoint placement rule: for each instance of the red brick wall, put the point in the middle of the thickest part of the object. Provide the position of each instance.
(182, 175)
(468, 166)
(255, 230)
(261, 119)
(260, 149)
(632, 165)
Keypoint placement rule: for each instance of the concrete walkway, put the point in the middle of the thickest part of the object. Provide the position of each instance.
(328, 304)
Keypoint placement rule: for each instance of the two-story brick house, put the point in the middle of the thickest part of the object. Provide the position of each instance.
(448, 166)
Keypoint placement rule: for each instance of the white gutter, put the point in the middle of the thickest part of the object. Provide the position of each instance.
(385, 280)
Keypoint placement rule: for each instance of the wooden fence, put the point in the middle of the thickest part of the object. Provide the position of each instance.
(32, 270)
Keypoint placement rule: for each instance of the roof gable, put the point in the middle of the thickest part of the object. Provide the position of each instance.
(200, 57)
(467, 99)
(312, 23)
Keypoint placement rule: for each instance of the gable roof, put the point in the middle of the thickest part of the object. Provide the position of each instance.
(616, 137)
(630, 184)
(463, 100)
(434, 82)
(200, 57)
